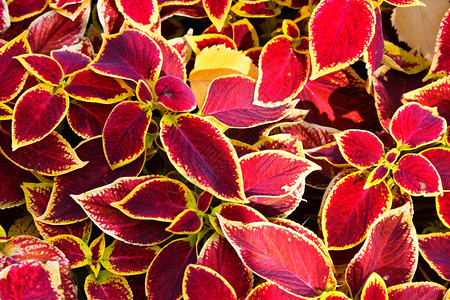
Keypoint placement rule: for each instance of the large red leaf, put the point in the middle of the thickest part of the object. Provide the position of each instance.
(52, 31)
(165, 274)
(229, 100)
(350, 210)
(440, 158)
(282, 73)
(416, 290)
(142, 14)
(270, 251)
(129, 55)
(43, 67)
(51, 156)
(107, 286)
(414, 125)
(112, 221)
(220, 256)
(340, 31)
(125, 259)
(393, 233)
(183, 136)
(13, 74)
(86, 85)
(37, 113)
(62, 209)
(124, 133)
(416, 175)
(360, 148)
(159, 199)
(434, 248)
(201, 282)
(273, 172)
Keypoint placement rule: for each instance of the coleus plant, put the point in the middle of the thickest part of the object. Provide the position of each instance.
(139, 151)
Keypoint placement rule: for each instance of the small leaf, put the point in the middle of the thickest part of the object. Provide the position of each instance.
(43, 67)
(187, 222)
(443, 208)
(174, 94)
(70, 60)
(441, 63)
(75, 250)
(107, 286)
(217, 11)
(374, 288)
(143, 15)
(20, 10)
(416, 290)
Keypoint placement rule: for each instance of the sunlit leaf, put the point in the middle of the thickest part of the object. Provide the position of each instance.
(434, 248)
(107, 286)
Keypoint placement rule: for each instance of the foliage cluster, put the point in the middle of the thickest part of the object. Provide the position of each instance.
(211, 149)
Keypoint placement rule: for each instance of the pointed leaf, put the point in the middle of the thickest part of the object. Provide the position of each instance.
(394, 232)
(52, 31)
(142, 15)
(75, 250)
(121, 56)
(70, 60)
(234, 212)
(402, 60)
(269, 290)
(143, 92)
(416, 175)
(229, 100)
(337, 44)
(174, 94)
(201, 163)
(440, 158)
(434, 248)
(20, 10)
(377, 175)
(13, 74)
(350, 210)
(197, 278)
(87, 119)
(416, 290)
(187, 222)
(273, 172)
(86, 85)
(165, 274)
(332, 153)
(443, 208)
(109, 16)
(43, 67)
(159, 199)
(51, 156)
(107, 286)
(374, 288)
(306, 273)
(217, 11)
(124, 133)
(112, 221)
(414, 125)
(125, 259)
(62, 209)
(441, 63)
(255, 10)
(37, 113)
(360, 148)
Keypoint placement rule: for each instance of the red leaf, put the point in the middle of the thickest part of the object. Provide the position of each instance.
(159, 199)
(201, 282)
(143, 14)
(350, 210)
(165, 274)
(174, 94)
(374, 53)
(220, 256)
(62, 209)
(336, 44)
(282, 73)
(125, 259)
(174, 64)
(440, 158)
(43, 67)
(393, 233)
(202, 163)
(229, 100)
(234, 212)
(443, 208)
(52, 31)
(124, 133)
(434, 248)
(360, 148)
(330, 153)
(74, 249)
(416, 175)
(414, 125)
(109, 16)
(273, 172)
(306, 273)
(20, 10)
(70, 60)
(374, 288)
(187, 222)
(255, 10)
(416, 290)
(217, 11)
(121, 56)
(112, 221)
(441, 63)
(37, 113)
(13, 74)
(87, 119)
(51, 156)
(107, 286)
(269, 290)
